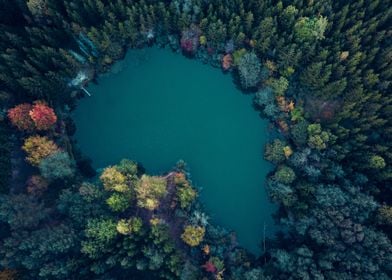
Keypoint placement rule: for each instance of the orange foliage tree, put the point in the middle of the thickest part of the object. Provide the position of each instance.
(43, 116)
(227, 62)
(38, 148)
(20, 117)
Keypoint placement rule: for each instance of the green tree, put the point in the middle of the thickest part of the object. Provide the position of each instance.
(377, 162)
(119, 202)
(284, 175)
(57, 166)
(317, 138)
(310, 29)
(186, 195)
(274, 151)
(100, 236)
(279, 86)
(249, 68)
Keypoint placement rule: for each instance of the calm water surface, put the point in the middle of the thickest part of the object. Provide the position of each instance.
(158, 107)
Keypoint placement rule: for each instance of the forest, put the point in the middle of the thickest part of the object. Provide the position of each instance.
(319, 71)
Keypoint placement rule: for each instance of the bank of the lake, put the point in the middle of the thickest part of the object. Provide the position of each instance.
(159, 107)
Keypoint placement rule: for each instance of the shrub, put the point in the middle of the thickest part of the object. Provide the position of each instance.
(38, 148)
(57, 166)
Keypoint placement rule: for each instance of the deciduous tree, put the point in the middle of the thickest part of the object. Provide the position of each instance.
(149, 190)
(43, 116)
(20, 117)
(38, 148)
(193, 235)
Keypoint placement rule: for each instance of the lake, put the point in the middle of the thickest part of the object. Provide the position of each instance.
(157, 107)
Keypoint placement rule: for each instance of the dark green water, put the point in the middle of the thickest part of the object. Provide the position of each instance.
(160, 107)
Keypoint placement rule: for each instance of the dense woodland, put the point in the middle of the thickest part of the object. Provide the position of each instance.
(319, 70)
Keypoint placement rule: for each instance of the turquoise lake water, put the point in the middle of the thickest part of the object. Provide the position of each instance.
(157, 107)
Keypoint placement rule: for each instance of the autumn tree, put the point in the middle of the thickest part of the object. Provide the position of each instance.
(129, 226)
(43, 116)
(38, 148)
(29, 117)
(149, 190)
(193, 235)
(20, 117)
(113, 180)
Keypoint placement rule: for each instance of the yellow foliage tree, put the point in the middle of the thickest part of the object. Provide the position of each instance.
(38, 148)
(287, 151)
(132, 225)
(113, 180)
(149, 190)
(193, 235)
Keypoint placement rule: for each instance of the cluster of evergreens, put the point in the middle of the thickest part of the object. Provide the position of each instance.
(319, 70)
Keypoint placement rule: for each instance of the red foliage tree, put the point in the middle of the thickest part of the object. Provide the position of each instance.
(43, 116)
(209, 267)
(20, 116)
